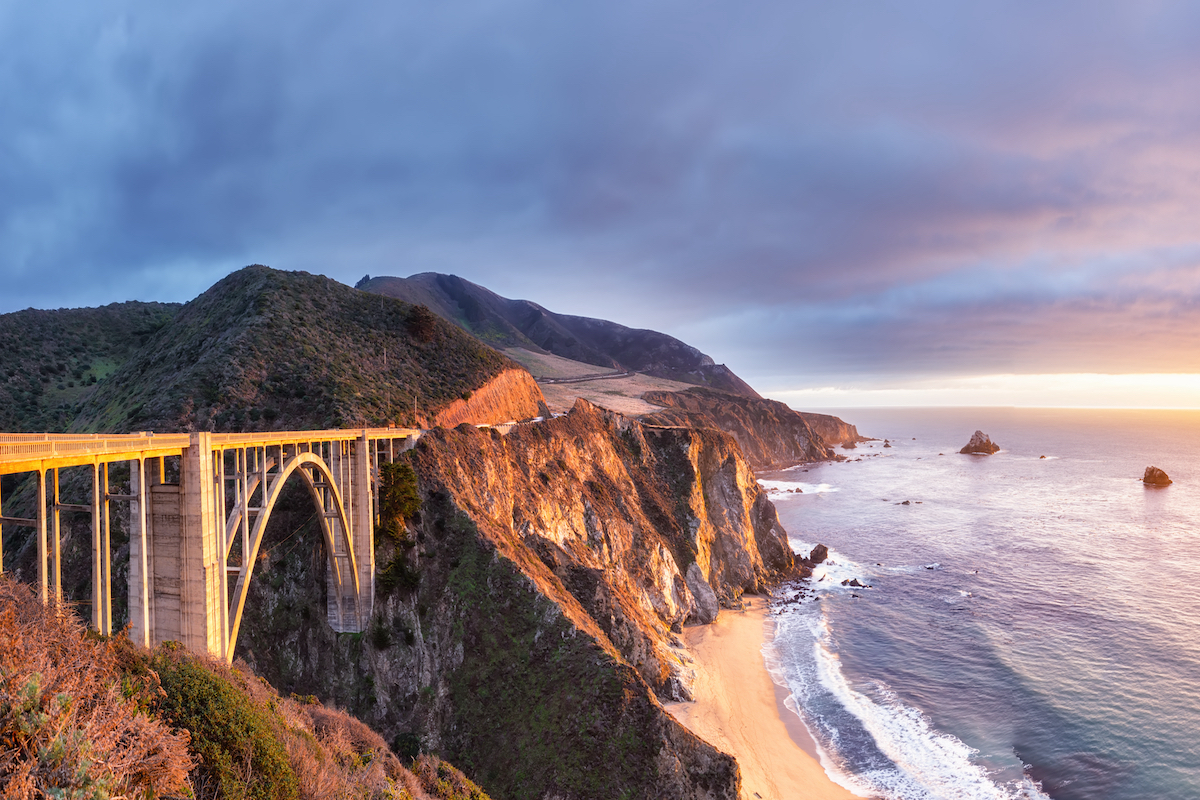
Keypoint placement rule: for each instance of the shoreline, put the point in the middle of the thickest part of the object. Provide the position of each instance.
(739, 709)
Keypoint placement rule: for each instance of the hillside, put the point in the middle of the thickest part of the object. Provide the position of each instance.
(264, 349)
(503, 323)
(50, 361)
(84, 716)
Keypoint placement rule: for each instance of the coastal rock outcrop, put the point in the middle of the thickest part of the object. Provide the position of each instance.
(1156, 477)
(980, 445)
(770, 433)
(523, 620)
(511, 395)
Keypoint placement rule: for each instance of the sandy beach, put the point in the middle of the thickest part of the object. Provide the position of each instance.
(739, 709)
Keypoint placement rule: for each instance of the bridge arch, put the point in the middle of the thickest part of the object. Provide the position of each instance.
(310, 466)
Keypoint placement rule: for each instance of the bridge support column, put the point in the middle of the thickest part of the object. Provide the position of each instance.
(362, 522)
(201, 561)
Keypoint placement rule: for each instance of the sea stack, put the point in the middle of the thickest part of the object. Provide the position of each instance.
(980, 445)
(1156, 477)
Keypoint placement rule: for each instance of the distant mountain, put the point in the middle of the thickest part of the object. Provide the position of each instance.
(265, 349)
(502, 322)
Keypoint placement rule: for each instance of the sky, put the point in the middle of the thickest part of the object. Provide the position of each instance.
(852, 203)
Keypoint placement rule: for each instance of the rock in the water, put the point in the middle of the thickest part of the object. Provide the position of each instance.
(849, 446)
(981, 445)
(1156, 477)
(818, 554)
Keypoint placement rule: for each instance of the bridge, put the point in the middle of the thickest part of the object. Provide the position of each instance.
(198, 505)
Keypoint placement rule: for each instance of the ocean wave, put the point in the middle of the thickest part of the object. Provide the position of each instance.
(783, 489)
(870, 741)
(927, 764)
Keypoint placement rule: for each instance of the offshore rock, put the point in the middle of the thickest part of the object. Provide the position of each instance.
(1156, 477)
(980, 445)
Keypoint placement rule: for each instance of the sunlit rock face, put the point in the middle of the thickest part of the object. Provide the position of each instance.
(980, 445)
(1156, 477)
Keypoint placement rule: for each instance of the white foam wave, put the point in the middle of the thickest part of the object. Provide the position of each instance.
(928, 765)
(780, 489)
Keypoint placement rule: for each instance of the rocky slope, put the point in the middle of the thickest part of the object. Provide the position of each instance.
(502, 322)
(511, 395)
(770, 434)
(526, 632)
(832, 430)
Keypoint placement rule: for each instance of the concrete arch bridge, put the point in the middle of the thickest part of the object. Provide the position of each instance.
(194, 542)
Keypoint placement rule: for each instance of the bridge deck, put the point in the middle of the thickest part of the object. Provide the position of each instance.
(28, 452)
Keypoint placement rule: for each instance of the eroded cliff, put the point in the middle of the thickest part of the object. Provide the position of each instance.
(524, 616)
(770, 434)
(511, 395)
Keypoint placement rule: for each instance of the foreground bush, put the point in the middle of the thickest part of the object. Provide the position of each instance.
(89, 717)
(70, 726)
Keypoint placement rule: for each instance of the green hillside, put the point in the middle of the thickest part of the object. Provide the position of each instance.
(51, 361)
(265, 349)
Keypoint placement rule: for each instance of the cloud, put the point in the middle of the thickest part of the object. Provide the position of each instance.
(923, 187)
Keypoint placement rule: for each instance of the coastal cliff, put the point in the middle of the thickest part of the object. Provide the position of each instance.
(832, 430)
(770, 433)
(527, 616)
(511, 395)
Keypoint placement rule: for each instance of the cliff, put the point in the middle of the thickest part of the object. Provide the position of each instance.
(511, 395)
(831, 429)
(770, 434)
(526, 616)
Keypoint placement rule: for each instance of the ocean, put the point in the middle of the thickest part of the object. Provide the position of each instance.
(1032, 626)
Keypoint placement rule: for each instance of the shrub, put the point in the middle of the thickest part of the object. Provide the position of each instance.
(239, 746)
(69, 727)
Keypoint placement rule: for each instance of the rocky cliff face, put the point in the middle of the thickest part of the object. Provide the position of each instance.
(526, 628)
(511, 395)
(832, 430)
(770, 434)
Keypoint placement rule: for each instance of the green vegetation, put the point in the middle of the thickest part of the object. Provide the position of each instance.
(51, 361)
(265, 349)
(238, 742)
(83, 716)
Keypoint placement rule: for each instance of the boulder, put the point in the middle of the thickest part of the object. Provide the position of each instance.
(980, 445)
(818, 554)
(707, 604)
(1156, 477)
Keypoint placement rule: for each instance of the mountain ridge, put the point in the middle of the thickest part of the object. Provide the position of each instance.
(504, 322)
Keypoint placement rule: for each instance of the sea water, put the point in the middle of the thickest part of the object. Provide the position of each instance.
(1032, 626)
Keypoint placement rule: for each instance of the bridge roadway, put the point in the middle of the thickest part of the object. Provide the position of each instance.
(196, 510)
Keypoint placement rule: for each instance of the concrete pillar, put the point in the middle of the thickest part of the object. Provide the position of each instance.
(141, 586)
(43, 581)
(364, 529)
(200, 563)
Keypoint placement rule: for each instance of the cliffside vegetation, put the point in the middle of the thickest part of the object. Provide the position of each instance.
(526, 611)
(85, 716)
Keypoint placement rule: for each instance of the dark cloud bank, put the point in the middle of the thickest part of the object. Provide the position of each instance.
(815, 193)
